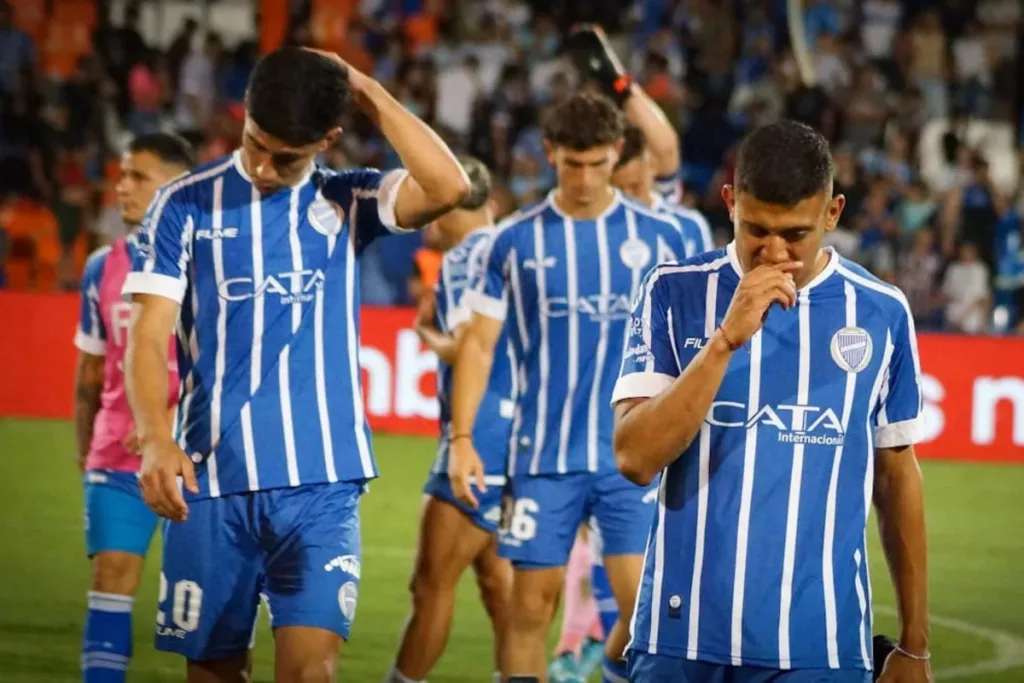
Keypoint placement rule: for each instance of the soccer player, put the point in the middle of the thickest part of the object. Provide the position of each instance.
(118, 525)
(454, 535)
(252, 259)
(563, 273)
(776, 388)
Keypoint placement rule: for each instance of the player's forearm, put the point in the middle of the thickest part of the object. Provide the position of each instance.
(650, 436)
(472, 370)
(146, 384)
(423, 153)
(661, 136)
(899, 505)
(88, 389)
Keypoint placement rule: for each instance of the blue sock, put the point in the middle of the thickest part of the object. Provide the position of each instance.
(601, 589)
(107, 645)
(614, 671)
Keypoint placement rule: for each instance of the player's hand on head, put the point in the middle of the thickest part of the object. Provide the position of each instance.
(758, 290)
(465, 469)
(162, 463)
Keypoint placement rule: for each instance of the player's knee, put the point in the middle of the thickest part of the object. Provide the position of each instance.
(318, 671)
(429, 583)
(533, 610)
(494, 591)
(116, 573)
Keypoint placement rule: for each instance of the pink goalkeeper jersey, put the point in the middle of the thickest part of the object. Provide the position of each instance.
(103, 331)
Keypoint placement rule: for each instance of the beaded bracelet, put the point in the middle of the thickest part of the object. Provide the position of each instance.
(919, 658)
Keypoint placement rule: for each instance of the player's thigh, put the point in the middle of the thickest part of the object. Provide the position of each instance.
(535, 594)
(486, 516)
(449, 541)
(540, 519)
(623, 513)
(647, 668)
(753, 674)
(116, 517)
(209, 583)
(311, 546)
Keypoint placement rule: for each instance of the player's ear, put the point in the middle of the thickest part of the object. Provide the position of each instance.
(549, 152)
(332, 137)
(729, 197)
(835, 210)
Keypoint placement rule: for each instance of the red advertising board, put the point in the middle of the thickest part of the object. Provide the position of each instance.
(973, 386)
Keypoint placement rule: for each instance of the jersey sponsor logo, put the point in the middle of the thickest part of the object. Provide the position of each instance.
(597, 307)
(635, 253)
(695, 343)
(851, 348)
(325, 216)
(346, 563)
(347, 597)
(216, 233)
(641, 354)
(293, 287)
(548, 262)
(796, 424)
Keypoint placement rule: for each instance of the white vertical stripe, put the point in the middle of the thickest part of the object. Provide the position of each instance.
(188, 382)
(321, 386)
(286, 417)
(636, 275)
(524, 338)
(711, 306)
(256, 350)
(217, 220)
(658, 577)
(670, 323)
(186, 241)
(862, 601)
(645, 316)
(747, 492)
(692, 642)
(572, 293)
(249, 445)
(542, 389)
(795, 480)
(604, 276)
(296, 247)
(517, 298)
(351, 311)
(828, 548)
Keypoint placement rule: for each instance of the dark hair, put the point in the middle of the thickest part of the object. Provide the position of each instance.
(297, 96)
(584, 120)
(479, 183)
(169, 148)
(633, 144)
(783, 163)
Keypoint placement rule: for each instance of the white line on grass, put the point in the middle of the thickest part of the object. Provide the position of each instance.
(1009, 648)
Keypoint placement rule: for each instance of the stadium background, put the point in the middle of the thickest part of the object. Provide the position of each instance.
(921, 99)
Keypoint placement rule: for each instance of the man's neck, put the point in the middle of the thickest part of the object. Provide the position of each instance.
(584, 212)
(466, 222)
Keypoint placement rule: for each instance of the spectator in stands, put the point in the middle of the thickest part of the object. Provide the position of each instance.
(17, 52)
(966, 291)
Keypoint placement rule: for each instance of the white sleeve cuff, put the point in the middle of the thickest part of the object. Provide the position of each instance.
(640, 385)
(457, 316)
(484, 305)
(387, 195)
(896, 434)
(88, 344)
(154, 283)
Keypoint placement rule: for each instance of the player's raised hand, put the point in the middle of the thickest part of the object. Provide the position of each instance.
(464, 469)
(759, 289)
(162, 462)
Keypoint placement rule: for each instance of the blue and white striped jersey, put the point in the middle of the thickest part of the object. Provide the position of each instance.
(696, 231)
(268, 336)
(758, 554)
(670, 187)
(460, 267)
(566, 287)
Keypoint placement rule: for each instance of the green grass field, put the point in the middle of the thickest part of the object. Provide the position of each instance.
(975, 515)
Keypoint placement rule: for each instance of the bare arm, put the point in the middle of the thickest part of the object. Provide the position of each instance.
(88, 387)
(436, 182)
(899, 505)
(650, 433)
(445, 345)
(145, 361)
(661, 136)
(473, 369)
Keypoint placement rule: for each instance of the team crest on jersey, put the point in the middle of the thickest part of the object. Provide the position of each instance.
(635, 253)
(325, 216)
(347, 596)
(851, 348)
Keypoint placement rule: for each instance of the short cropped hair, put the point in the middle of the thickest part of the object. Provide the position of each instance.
(479, 183)
(633, 143)
(167, 147)
(297, 96)
(783, 163)
(584, 120)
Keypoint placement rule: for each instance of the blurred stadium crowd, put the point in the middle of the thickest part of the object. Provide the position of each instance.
(923, 101)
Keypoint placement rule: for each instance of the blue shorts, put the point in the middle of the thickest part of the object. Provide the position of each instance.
(647, 668)
(543, 513)
(486, 516)
(297, 547)
(116, 517)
